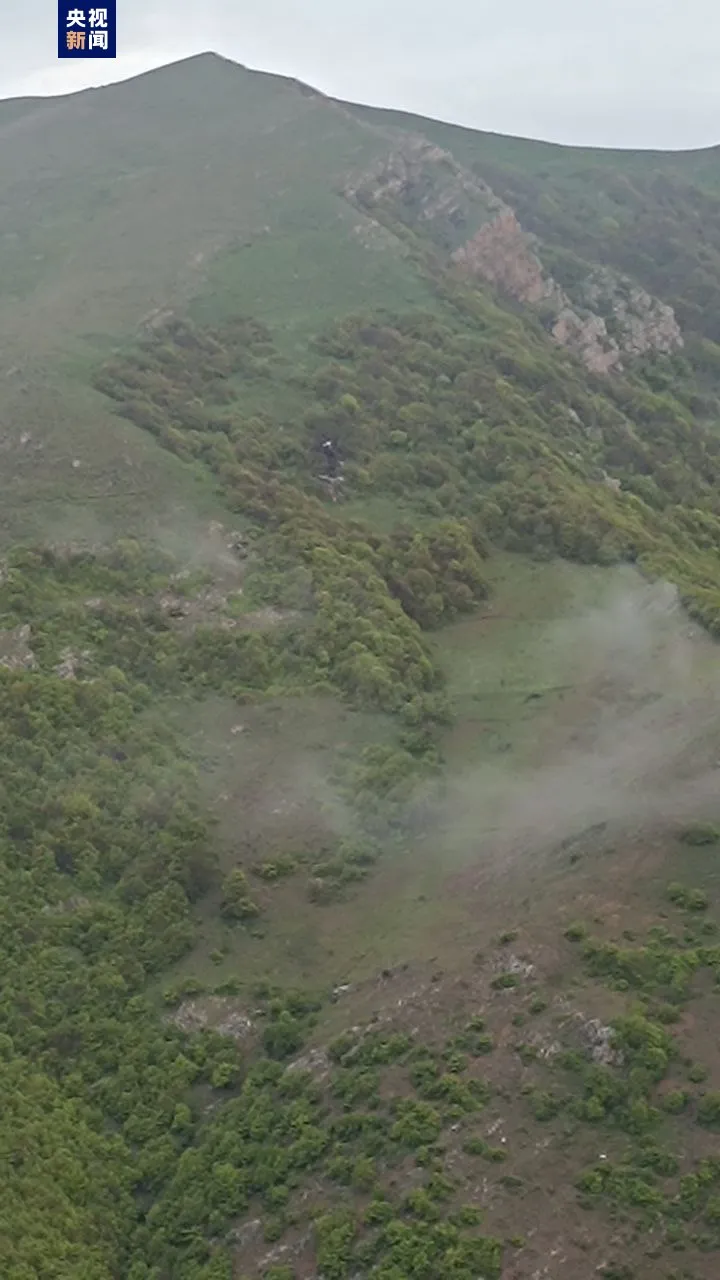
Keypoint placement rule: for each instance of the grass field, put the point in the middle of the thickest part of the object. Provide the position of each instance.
(538, 750)
(243, 168)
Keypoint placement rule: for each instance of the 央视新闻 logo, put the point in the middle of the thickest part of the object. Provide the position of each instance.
(86, 32)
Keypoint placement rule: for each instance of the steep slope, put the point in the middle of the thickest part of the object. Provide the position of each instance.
(358, 859)
(655, 215)
(424, 188)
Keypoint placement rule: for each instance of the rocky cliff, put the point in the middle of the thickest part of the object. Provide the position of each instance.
(424, 187)
(500, 252)
(640, 322)
(608, 318)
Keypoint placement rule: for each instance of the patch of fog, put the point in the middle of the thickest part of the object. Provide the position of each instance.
(193, 544)
(270, 776)
(646, 754)
(300, 790)
(211, 546)
(78, 528)
(641, 751)
(644, 748)
(634, 641)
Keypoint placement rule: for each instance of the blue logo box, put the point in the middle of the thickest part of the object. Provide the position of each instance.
(87, 31)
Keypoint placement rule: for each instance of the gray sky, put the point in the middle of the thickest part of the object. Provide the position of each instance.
(642, 73)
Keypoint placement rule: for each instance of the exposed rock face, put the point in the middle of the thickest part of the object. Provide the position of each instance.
(419, 183)
(503, 254)
(70, 663)
(373, 235)
(315, 1062)
(643, 323)
(15, 651)
(500, 253)
(219, 1012)
(607, 318)
(588, 338)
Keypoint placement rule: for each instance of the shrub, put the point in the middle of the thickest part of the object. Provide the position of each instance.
(689, 899)
(504, 981)
(700, 833)
(697, 1072)
(236, 903)
(708, 1112)
(576, 932)
(675, 1101)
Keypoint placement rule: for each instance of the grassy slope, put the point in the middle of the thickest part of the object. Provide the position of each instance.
(115, 203)
(522, 690)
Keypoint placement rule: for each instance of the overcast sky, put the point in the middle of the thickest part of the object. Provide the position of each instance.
(602, 72)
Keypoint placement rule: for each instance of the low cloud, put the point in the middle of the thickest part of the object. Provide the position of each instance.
(641, 753)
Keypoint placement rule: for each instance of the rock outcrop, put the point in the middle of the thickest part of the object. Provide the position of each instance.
(71, 663)
(500, 253)
(220, 1013)
(642, 323)
(608, 317)
(15, 651)
(423, 186)
(588, 337)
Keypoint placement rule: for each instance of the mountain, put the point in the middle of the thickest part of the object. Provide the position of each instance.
(360, 823)
(248, 172)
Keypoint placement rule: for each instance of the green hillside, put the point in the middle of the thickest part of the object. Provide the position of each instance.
(360, 837)
(115, 204)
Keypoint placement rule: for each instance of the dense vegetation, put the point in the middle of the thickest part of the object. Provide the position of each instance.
(476, 426)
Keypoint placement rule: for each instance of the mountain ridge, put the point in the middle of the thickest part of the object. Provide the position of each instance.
(391, 114)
